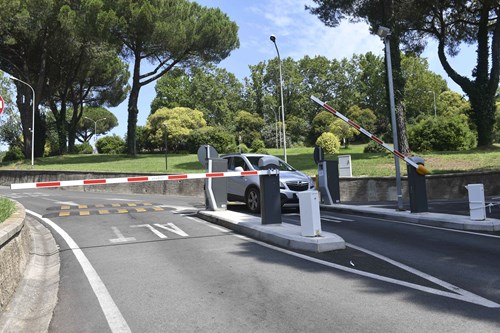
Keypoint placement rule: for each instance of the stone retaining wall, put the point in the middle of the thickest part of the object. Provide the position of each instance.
(446, 186)
(15, 245)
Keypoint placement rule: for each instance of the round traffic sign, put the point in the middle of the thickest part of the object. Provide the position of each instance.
(1, 104)
(205, 152)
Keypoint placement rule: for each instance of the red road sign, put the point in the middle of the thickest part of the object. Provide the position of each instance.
(1, 104)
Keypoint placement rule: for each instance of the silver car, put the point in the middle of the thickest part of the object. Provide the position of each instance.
(247, 188)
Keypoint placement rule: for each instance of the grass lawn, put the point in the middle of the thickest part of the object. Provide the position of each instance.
(7, 207)
(377, 164)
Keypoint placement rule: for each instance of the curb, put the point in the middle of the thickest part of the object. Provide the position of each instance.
(284, 235)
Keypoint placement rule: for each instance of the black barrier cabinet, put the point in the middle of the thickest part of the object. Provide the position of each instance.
(417, 188)
(217, 198)
(328, 182)
(270, 199)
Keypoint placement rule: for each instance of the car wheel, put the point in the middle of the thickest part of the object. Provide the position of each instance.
(252, 199)
(282, 200)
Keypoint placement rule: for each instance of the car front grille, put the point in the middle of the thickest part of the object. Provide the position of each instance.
(298, 186)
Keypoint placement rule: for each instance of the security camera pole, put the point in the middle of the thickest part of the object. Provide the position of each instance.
(384, 34)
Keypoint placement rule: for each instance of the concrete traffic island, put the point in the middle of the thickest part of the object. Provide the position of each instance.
(282, 234)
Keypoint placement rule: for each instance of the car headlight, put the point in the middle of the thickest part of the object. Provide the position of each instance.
(282, 185)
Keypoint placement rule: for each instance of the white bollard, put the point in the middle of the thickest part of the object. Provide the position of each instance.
(310, 219)
(477, 205)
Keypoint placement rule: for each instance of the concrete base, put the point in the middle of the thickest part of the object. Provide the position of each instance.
(284, 234)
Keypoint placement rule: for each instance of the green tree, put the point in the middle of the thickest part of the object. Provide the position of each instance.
(452, 23)
(248, 126)
(95, 121)
(421, 87)
(166, 33)
(214, 91)
(371, 87)
(343, 130)
(365, 118)
(452, 103)
(10, 121)
(177, 122)
(27, 34)
(321, 124)
(377, 13)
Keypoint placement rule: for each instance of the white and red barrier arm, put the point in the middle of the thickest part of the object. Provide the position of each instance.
(422, 170)
(138, 179)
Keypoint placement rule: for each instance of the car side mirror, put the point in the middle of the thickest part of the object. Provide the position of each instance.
(238, 169)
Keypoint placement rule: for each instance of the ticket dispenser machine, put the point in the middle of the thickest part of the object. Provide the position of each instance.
(417, 188)
(270, 198)
(328, 178)
(215, 188)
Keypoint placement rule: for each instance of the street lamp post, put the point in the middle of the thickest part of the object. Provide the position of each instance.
(384, 34)
(273, 39)
(276, 116)
(166, 146)
(434, 96)
(95, 129)
(32, 121)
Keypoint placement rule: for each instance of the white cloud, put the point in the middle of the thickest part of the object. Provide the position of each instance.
(300, 33)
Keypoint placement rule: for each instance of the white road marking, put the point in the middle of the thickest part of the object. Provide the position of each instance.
(150, 227)
(338, 218)
(172, 228)
(115, 320)
(468, 296)
(331, 220)
(119, 237)
(69, 203)
(458, 294)
(18, 195)
(117, 199)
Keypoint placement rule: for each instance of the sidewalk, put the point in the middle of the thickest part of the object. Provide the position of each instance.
(453, 214)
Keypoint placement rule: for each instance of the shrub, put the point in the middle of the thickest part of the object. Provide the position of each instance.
(329, 142)
(257, 145)
(111, 145)
(217, 137)
(373, 147)
(441, 134)
(262, 151)
(13, 154)
(84, 148)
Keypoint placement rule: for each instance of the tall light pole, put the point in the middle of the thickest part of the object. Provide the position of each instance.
(276, 126)
(273, 39)
(32, 121)
(95, 130)
(384, 34)
(434, 95)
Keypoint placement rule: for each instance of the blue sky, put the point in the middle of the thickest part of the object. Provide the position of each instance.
(298, 33)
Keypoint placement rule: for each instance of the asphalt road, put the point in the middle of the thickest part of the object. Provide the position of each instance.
(143, 263)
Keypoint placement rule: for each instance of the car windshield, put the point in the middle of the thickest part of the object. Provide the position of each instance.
(282, 167)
